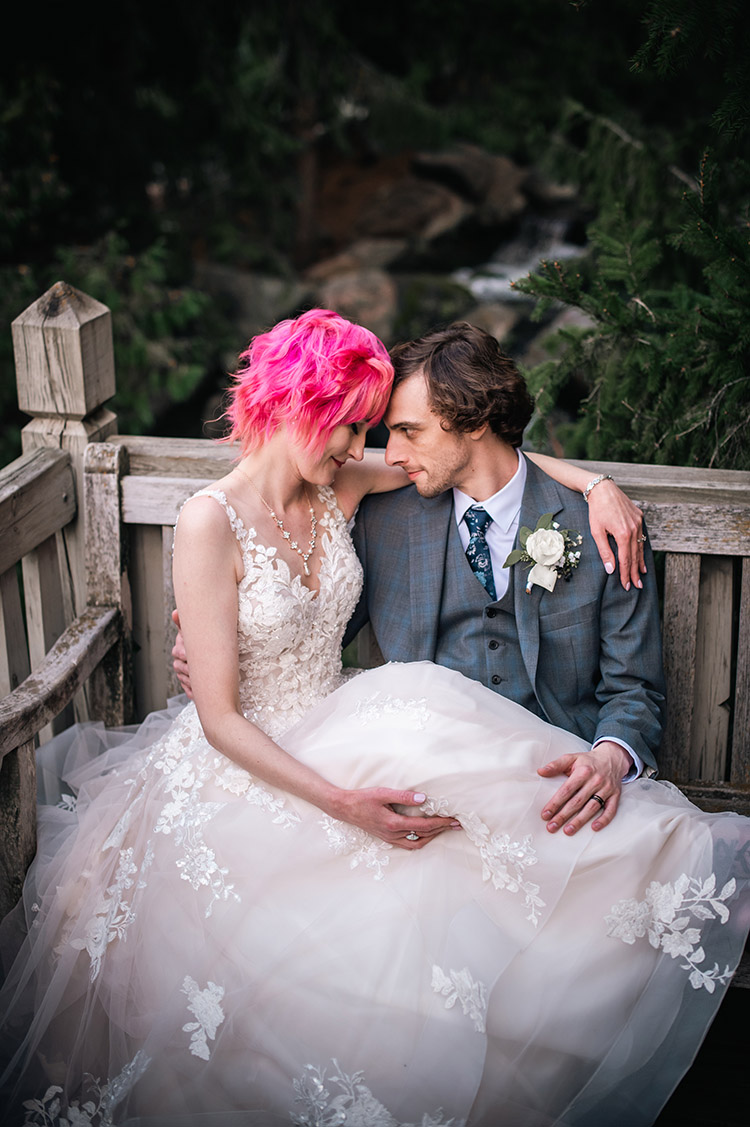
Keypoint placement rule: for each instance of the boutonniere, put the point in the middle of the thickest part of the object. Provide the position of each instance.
(549, 550)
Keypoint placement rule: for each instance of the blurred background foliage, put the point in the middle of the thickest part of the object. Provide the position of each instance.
(134, 143)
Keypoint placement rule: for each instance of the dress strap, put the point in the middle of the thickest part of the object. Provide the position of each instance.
(244, 536)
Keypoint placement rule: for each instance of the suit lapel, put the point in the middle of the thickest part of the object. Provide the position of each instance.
(540, 496)
(428, 541)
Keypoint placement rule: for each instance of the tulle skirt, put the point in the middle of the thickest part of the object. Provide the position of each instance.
(205, 950)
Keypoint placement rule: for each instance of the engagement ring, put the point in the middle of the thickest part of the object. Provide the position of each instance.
(412, 836)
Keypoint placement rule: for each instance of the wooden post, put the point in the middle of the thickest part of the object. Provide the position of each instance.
(64, 373)
(110, 686)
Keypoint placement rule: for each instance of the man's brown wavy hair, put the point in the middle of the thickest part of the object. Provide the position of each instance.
(470, 380)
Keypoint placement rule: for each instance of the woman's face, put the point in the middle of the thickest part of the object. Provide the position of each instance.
(343, 443)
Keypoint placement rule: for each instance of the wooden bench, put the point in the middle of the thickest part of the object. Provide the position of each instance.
(98, 590)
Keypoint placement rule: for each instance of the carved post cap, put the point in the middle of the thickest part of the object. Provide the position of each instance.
(63, 351)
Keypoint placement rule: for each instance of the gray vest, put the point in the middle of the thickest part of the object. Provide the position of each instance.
(478, 637)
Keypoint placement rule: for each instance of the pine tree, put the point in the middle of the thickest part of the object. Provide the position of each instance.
(665, 282)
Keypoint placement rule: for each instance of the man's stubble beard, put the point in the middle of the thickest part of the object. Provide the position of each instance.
(445, 475)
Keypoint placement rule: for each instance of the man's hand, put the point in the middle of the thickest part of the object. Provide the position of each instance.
(596, 772)
(180, 664)
(611, 512)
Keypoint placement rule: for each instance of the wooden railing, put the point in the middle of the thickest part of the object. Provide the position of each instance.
(121, 570)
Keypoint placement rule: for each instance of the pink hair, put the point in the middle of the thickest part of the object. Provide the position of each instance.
(315, 373)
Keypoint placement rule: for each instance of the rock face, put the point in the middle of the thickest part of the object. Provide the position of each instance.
(367, 296)
(390, 235)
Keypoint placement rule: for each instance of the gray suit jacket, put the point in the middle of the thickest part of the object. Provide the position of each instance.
(592, 651)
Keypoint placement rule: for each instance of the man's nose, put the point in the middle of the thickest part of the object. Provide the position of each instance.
(392, 453)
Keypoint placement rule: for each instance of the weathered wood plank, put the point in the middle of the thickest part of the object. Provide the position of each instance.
(37, 497)
(740, 772)
(673, 527)
(17, 822)
(203, 458)
(110, 689)
(14, 650)
(47, 690)
(104, 465)
(684, 526)
(177, 457)
(651, 481)
(717, 798)
(709, 745)
(45, 614)
(146, 574)
(73, 437)
(679, 631)
(173, 686)
(157, 500)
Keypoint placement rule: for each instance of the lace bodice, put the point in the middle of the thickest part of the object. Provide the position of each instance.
(289, 638)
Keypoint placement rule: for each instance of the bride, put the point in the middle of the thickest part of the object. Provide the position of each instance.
(228, 925)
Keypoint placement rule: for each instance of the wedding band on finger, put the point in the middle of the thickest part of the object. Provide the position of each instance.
(598, 798)
(412, 836)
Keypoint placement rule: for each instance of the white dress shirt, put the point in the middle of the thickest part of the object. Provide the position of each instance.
(505, 509)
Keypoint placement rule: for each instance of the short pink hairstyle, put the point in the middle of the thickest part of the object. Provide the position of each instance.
(314, 373)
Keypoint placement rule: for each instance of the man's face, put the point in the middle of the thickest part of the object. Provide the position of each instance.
(435, 459)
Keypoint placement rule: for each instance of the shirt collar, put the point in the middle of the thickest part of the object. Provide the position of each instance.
(503, 506)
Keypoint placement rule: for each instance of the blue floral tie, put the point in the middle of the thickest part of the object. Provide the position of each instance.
(478, 552)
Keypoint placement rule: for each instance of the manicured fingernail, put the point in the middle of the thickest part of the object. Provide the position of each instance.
(456, 826)
(627, 586)
(609, 568)
(639, 584)
(419, 797)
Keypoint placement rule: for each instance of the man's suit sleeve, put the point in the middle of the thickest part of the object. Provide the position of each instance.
(631, 691)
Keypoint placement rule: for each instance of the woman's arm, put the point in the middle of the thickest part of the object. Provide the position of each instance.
(372, 475)
(611, 512)
(207, 567)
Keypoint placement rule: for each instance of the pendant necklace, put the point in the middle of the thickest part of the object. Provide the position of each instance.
(287, 535)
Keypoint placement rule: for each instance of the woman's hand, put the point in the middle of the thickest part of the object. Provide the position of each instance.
(611, 512)
(372, 810)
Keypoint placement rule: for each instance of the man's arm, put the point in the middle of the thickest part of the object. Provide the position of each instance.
(631, 696)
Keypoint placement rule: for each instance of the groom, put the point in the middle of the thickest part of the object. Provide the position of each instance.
(585, 655)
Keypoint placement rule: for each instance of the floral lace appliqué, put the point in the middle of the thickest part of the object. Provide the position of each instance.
(205, 1006)
(353, 1106)
(97, 1110)
(504, 861)
(115, 912)
(459, 986)
(665, 914)
(363, 848)
(379, 705)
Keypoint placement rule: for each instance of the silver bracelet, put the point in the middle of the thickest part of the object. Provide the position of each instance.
(595, 481)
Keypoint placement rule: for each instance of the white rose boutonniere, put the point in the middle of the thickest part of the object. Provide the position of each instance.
(549, 550)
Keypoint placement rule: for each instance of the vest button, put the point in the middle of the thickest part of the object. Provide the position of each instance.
(495, 679)
(494, 644)
(491, 612)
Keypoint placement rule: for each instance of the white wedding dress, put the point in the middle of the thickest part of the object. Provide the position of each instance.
(206, 951)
